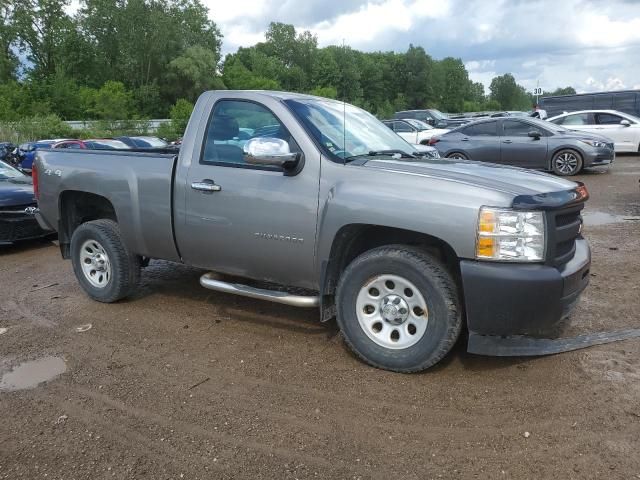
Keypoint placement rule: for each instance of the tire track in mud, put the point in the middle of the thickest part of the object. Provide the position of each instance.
(221, 439)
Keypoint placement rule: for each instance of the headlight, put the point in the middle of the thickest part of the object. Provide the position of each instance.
(594, 143)
(510, 235)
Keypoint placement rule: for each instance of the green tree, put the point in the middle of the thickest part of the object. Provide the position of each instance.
(508, 94)
(112, 102)
(194, 71)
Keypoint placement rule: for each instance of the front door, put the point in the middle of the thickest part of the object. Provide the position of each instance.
(624, 138)
(519, 149)
(259, 223)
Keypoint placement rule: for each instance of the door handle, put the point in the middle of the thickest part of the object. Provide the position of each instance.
(507, 141)
(206, 186)
(465, 139)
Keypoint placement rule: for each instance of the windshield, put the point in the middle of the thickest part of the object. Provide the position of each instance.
(547, 125)
(151, 141)
(107, 144)
(343, 130)
(7, 171)
(419, 124)
(438, 115)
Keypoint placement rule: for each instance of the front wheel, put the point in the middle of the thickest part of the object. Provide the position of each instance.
(398, 308)
(566, 163)
(104, 267)
(457, 156)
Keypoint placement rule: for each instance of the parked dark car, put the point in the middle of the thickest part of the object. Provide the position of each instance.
(528, 143)
(433, 117)
(27, 152)
(17, 207)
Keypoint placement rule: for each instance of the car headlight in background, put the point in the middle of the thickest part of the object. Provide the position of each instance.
(595, 143)
(510, 235)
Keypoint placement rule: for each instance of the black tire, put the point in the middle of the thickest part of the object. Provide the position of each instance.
(434, 283)
(562, 163)
(125, 266)
(458, 155)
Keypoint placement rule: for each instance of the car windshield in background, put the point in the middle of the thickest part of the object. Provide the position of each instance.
(343, 130)
(106, 145)
(543, 124)
(149, 142)
(419, 124)
(438, 115)
(7, 171)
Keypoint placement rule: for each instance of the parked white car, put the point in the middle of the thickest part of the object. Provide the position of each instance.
(622, 128)
(414, 131)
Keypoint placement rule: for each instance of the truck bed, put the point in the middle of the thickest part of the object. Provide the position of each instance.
(138, 185)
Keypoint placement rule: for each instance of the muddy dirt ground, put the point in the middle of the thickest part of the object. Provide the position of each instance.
(181, 382)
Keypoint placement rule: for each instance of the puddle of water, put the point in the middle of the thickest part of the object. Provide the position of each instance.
(31, 374)
(604, 218)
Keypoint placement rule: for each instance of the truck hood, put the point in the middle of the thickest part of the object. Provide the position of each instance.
(16, 192)
(512, 180)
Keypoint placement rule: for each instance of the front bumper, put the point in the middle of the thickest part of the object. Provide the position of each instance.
(15, 226)
(600, 157)
(503, 299)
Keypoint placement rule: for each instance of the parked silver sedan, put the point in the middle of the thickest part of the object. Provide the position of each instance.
(528, 143)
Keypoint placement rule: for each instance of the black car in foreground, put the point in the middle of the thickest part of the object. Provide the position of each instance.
(17, 207)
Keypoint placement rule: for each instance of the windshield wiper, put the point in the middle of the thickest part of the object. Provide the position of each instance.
(376, 153)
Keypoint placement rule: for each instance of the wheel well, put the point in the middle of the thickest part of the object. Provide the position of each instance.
(353, 240)
(77, 208)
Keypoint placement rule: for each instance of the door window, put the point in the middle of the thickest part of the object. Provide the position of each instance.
(576, 119)
(513, 128)
(608, 119)
(231, 125)
(484, 129)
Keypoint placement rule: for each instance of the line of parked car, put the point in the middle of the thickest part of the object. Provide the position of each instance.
(563, 144)
(17, 200)
(22, 156)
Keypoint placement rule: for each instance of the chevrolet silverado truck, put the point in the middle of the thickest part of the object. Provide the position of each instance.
(314, 203)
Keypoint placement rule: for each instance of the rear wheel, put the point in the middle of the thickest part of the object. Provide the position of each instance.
(566, 163)
(398, 308)
(457, 156)
(104, 267)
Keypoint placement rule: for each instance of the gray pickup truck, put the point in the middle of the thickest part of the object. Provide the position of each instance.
(317, 204)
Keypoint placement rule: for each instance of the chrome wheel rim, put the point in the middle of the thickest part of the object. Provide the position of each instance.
(95, 263)
(457, 156)
(392, 312)
(566, 163)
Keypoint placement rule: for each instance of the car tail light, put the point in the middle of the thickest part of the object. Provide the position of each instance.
(433, 140)
(34, 177)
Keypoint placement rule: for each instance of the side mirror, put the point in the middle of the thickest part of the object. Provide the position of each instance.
(269, 151)
(625, 123)
(535, 134)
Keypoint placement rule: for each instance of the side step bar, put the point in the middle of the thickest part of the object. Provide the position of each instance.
(208, 281)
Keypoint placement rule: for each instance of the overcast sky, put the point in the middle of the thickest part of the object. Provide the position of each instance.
(588, 44)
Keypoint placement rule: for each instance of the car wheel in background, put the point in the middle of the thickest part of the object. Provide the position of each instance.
(566, 163)
(104, 267)
(398, 308)
(457, 156)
